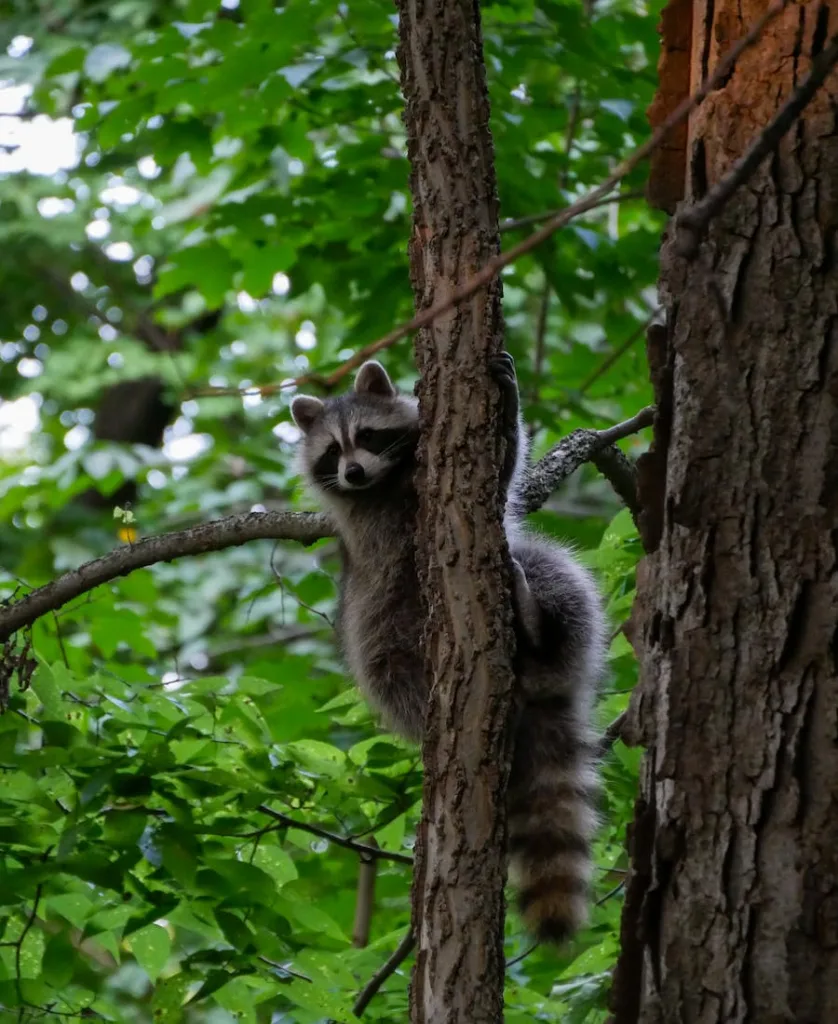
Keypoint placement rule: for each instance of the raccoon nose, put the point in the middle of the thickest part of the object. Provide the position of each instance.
(354, 473)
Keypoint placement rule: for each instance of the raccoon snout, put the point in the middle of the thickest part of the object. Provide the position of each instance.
(354, 473)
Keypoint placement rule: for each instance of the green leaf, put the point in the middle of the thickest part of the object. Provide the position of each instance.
(276, 862)
(59, 961)
(73, 906)
(169, 997)
(207, 268)
(45, 686)
(151, 946)
(296, 906)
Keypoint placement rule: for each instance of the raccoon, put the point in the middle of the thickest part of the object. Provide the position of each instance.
(358, 451)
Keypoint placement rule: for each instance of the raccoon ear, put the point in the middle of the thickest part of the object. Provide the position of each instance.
(305, 409)
(372, 379)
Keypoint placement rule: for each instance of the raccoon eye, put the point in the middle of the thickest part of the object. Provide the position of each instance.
(363, 436)
(333, 449)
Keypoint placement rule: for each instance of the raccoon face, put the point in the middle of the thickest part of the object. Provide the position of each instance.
(353, 442)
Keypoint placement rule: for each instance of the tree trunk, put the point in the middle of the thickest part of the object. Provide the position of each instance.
(460, 868)
(731, 910)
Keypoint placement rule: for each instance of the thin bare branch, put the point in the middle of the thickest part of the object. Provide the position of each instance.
(611, 893)
(522, 956)
(692, 222)
(517, 223)
(612, 733)
(369, 852)
(286, 971)
(389, 967)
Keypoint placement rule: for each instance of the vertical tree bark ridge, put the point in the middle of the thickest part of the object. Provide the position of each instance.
(732, 903)
(460, 869)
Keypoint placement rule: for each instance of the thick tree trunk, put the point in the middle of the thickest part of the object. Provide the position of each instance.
(731, 909)
(460, 869)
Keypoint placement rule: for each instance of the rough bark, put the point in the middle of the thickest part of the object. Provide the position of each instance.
(460, 865)
(731, 910)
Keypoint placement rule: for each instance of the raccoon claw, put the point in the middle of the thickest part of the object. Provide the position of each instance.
(502, 368)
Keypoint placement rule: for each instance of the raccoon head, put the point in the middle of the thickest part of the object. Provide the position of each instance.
(354, 442)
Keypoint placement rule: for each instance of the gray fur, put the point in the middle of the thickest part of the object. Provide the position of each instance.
(558, 616)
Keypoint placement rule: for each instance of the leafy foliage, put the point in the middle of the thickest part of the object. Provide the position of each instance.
(238, 215)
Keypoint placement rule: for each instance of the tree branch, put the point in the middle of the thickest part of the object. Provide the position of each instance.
(693, 221)
(368, 852)
(613, 733)
(305, 527)
(515, 224)
(365, 898)
(569, 454)
(619, 471)
(389, 967)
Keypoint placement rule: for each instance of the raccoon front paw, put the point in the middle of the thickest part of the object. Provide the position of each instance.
(502, 368)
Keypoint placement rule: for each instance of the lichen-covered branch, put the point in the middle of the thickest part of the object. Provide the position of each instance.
(575, 449)
(618, 469)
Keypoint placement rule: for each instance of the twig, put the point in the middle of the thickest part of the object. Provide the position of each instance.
(288, 971)
(515, 224)
(305, 527)
(618, 352)
(370, 852)
(588, 202)
(612, 733)
(620, 431)
(366, 994)
(569, 454)
(691, 224)
(521, 956)
(611, 893)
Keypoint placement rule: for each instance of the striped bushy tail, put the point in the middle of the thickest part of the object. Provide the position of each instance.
(552, 818)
